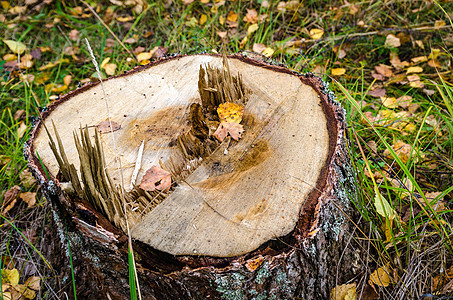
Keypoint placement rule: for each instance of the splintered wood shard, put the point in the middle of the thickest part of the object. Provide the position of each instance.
(172, 107)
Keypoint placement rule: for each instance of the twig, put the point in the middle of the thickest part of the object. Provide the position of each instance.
(108, 28)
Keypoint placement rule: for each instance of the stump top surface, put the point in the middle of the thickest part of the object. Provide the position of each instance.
(235, 200)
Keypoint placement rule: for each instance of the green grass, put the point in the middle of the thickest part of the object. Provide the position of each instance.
(408, 244)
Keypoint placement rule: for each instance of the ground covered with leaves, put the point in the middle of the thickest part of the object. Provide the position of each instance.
(388, 61)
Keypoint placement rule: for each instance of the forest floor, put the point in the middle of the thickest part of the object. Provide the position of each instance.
(388, 61)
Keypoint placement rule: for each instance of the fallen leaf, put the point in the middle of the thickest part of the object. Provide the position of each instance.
(429, 92)
(344, 292)
(396, 62)
(254, 263)
(419, 59)
(252, 28)
(203, 19)
(10, 57)
(24, 291)
(438, 24)
(21, 130)
(16, 47)
(33, 282)
(10, 276)
(232, 16)
(230, 112)
(382, 206)
(235, 130)
(415, 82)
(222, 34)
(104, 126)
(389, 102)
(401, 149)
(268, 52)
(404, 101)
(316, 33)
(26, 61)
(110, 69)
(258, 48)
(130, 40)
(384, 70)
(144, 56)
(434, 63)
(187, 2)
(251, 16)
(338, 71)
(74, 34)
(392, 41)
(380, 277)
(377, 93)
(10, 198)
(414, 70)
(29, 198)
(67, 80)
(156, 178)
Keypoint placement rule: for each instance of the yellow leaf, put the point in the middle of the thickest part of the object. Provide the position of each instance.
(419, 59)
(144, 56)
(438, 24)
(316, 33)
(338, 71)
(110, 69)
(230, 112)
(104, 62)
(252, 28)
(16, 47)
(414, 70)
(344, 292)
(203, 19)
(67, 79)
(415, 82)
(380, 277)
(10, 276)
(401, 149)
(268, 52)
(10, 57)
(389, 102)
(222, 20)
(387, 228)
(382, 206)
(232, 16)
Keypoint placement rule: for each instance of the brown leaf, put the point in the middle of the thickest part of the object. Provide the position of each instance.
(258, 48)
(401, 149)
(74, 34)
(377, 93)
(159, 52)
(29, 198)
(33, 282)
(251, 16)
(254, 263)
(222, 34)
(235, 130)
(156, 178)
(104, 126)
(404, 101)
(392, 41)
(380, 276)
(384, 70)
(10, 198)
(415, 82)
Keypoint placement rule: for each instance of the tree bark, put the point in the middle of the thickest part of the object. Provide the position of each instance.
(306, 262)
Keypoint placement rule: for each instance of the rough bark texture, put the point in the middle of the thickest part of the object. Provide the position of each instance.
(305, 264)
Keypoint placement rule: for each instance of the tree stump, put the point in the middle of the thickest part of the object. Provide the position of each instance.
(264, 215)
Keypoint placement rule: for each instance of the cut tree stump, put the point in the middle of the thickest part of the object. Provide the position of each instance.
(265, 216)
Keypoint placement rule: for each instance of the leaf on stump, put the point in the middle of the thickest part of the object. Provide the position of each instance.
(234, 130)
(104, 126)
(156, 178)
(230, 112)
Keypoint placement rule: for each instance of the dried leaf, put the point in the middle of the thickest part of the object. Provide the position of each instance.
(144, 56)
(67, 80)
(203, 19)
(222, 34)
(401, 149)
(383, 207)
(316, 33)
(230, 112)
(414, 70)
(268, 52)
(419, 59)
(29, 198)
(10, 276)
(21, 130)
(380, 277)
(252, 28)
(16, 47)
(404, 101)
(253, 264)
(232, 16)
(251, 16)
(377, 93)
(156, 178)
(392, 41)
(415, 82)
(74, 34)
(389, 102)
(438, 24)
(384, 70)
(24, 291)
(344, 292)
(235, 130)
(33, 282)
(104, 126)
(258, 48)
(338, 71)
(110, 69)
